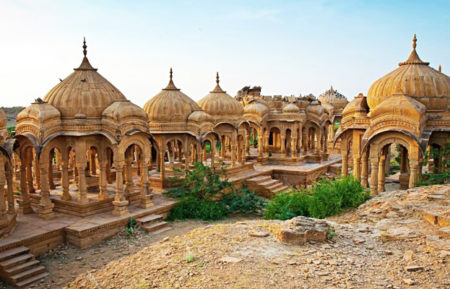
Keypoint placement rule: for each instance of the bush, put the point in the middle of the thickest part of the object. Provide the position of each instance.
(428, 179)
(287, 205)
(327, 198)
(244, 202)
(206, 195)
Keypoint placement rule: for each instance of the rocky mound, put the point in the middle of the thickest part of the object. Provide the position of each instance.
(383, 244)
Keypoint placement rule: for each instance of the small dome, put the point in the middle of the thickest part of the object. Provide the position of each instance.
(414, 78)
(218, 103)
(124, 109)
(357, 105)
(334, 98)
(291, 108)
(200, 116)
(170, 105)
(83, 93)
(257, 108)
(40, 111)
(3, 120)
(315, 108)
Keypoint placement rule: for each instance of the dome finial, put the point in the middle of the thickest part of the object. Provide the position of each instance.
(440, 68)
(171, 74)
(414, 42)
(171, 85)
(84, 47)
(217, 78)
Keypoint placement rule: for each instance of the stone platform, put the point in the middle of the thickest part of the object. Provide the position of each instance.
(43, 235)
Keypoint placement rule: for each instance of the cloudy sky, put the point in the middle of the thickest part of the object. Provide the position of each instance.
(287, 47)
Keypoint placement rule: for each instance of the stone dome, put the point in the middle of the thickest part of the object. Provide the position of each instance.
(170, 105)
(333, 98)
(39, 111)
(357, 105)
(200, 116)
(416, 79)
(3, 120)
(83, 93)
(291, 108)
(218, 103)
(257, 108)
(124, 109)
(315, 108)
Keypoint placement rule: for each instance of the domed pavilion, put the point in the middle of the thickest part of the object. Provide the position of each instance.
(408, 107)
(76, 145)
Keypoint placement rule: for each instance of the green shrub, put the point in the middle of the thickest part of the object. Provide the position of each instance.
(244, 202)
(193, 208)
(130, 226)
(325, 199)
(428, 179)
(287, 205)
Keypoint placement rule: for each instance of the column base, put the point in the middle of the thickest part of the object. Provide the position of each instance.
(25, 207)
(46, 211)
(120, 208)
(66, 196)
(146, 199)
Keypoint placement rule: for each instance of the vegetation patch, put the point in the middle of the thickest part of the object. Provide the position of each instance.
(207, 195)
(326, 198)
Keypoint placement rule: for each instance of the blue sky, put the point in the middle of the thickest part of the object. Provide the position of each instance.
(287, 47)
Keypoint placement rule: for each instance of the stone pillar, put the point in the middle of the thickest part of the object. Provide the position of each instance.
(364, 169)
(29, 171)
(344, 163)
(92, 164)
(357, 167)
(260, 144)
(82, 188)
(222, 148)
(233, 155)
(294, 146)
(51, 182)
(283, 145)
(204, 155)
(24, 202)
(103, 191)
(120, 203)
(146, 191)
(129, 175)
(45, 205)
(161, 166)
(213, 153)
(413, 166)
(34, 162)
(3, 217)
(374, 176)
(9, 183)
(65, 178)
(381, 173)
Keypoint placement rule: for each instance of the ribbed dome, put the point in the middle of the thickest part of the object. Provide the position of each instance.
(170, 105)
(291, 108)
(200, 116)
(219, 103)
(3, 119)
(256, 108)
(124, 109)
(416, 79)
(334, 98)
(315, 108)
(357, 105)
(84, 92)
(39, 110)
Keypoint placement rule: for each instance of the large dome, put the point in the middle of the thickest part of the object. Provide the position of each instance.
(84, 93)
(170, 105)
(416, 79)
(218, 103)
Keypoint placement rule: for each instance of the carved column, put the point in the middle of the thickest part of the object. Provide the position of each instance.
(213, 153)
(413, 166)
(92, 164)
(29, 171)
(294, 146)
(364, 169)
(374, 176)
(381, 173)
(129, 175)
(51, 182)
(24, 202)
(357, 167)
(161, 166)
(103, 191)
(45, 205)
(222, 148)
(82, 188)
(10, 197)
(283, 144)
(34, 162)
(120, 203)
(65, 177)
(344, 163)
(146, 191)
(3, 217)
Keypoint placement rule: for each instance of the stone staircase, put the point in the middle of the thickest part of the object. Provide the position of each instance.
(265, 185)
(154, 224)
(438, 215)
(19, 267)
(260, 182)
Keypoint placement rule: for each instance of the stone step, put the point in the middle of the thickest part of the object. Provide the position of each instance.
(22, 267)
(269, 183)
(16, 261)
(26, 282)
(148, 219)
(154, 226)
(13, 252)
(275, 186)
(260, 178)
(444, 232)
(28, 274)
